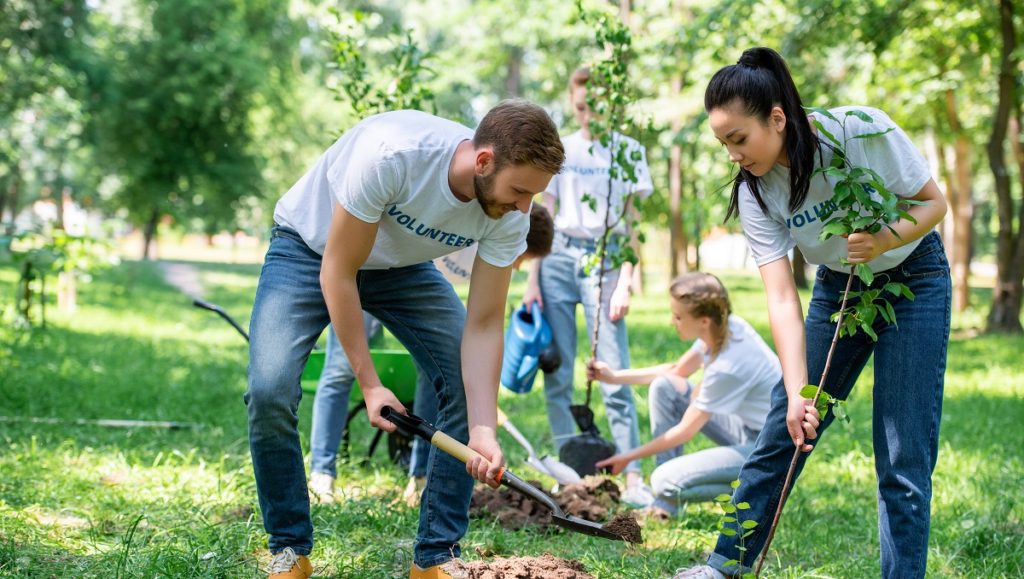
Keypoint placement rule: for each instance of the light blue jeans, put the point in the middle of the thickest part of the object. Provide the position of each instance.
(910, 367)
(563, 285)
(330, 406)
(701, 475)
(420, 308)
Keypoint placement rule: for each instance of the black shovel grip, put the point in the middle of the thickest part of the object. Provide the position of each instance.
(409, 424)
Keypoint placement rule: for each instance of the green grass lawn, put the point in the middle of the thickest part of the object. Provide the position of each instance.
(88, 501)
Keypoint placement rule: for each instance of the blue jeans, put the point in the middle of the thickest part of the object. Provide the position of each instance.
(330, 406)
(701, 475)
(420, 308)
(563, 285)
(910, 364)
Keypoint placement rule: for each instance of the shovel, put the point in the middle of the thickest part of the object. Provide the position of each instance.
(561, 472)
(413, 424)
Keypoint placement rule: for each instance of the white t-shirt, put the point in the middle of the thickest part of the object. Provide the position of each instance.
(740, 379)
(392, 169)
(457, 267)
(586, 172)
(901, 166)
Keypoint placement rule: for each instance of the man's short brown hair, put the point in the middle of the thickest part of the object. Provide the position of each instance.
(579, 77)
(542, 232)
(521, 133)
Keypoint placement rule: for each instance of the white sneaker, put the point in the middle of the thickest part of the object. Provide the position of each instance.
(699, 572)
(639, 496)
(413, 490)
(321, 487)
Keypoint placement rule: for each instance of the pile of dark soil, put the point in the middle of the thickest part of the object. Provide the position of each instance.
(543, 567)
(593, 499)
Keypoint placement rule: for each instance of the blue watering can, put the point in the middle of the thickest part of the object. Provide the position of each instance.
(528, 336)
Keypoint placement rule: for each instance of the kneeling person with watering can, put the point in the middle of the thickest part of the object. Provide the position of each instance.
(729, 405)
(358, 232)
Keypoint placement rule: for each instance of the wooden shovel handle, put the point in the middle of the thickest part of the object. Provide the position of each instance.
(459, 450)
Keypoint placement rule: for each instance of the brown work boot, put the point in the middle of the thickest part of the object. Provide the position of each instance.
(288, 565)
(442, 571)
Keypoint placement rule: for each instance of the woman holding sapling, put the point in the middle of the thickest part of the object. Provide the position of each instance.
(755, 112)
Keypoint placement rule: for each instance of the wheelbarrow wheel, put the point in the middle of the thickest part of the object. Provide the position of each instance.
(400, 449)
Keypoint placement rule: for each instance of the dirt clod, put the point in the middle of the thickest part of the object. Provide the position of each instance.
(624, 525)
(544, 567)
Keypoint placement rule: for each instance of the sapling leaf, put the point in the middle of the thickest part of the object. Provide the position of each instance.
(749, 524)
(860, 115)
(728, 519)
(809, 391)
(747, 534)
(832, 229)
(865, 274)
(823, 112)
(821, 129)
(822, 407)
(735, 484)
(892, 314)
(730, 563)
(728, 532)
(723, 498)
(743, 506)
(876, 134)
(870, 331)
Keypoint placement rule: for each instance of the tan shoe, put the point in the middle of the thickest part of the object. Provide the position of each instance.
(435, 572)
(288, 565)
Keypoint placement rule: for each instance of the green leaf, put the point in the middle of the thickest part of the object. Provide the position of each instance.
(892, 313)
(823, 112)
(749, 524)
(730, 563)
(833, 228)
(821, 129)
(870, 331)
(809, 391)
(876, 134)
(728, 532)
(735, 484)
(860, 115)
(723, 498)
(728, 519)
(743, 506)
(865, 274)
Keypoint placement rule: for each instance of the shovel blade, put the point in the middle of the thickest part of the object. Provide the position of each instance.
(561, 472)
(584, 526)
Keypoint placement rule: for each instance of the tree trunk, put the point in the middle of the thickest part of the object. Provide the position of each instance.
(4, 193)
(58, 190)
(15, 190)
(962, 205)
(677, 235)
(149, 234)
(1006, 300)
(514, 72)
(799, 269)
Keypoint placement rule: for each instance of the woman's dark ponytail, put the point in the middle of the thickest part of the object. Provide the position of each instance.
(760, 81)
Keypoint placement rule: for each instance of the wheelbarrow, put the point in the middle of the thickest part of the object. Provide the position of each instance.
(397, 373)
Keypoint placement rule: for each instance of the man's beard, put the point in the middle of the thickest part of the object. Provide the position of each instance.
(484, 189)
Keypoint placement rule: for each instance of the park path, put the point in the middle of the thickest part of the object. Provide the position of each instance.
(183, 276)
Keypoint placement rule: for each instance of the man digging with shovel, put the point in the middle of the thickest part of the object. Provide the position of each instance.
(358, 232)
